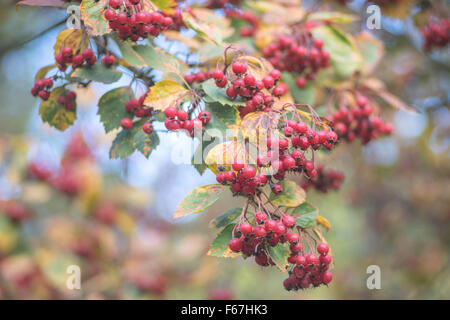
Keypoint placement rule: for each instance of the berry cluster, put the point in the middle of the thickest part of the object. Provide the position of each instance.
(68, 100)
(254, 240)
(247, 16)
(436, 34)
(15, 210)
(284, 155)
(325, 179)
(250, 89)
(179, 119)
(66, 56)
(41, 88)
(137, 109)
(300, 53)
(309, 269)
(219, 4)
(198, 77)
(131, 21)
(359, 122)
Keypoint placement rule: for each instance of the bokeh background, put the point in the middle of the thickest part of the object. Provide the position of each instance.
(393, 209)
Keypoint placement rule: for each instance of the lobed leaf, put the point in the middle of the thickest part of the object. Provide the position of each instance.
(55, 114)
(127, 141)
(305, 214)
(199, 199)
(279, 255)
(164, 94)
(225, 218)
(98, 72)
(344, 55)
(219, 95)
(92, 14)
(292, 196)
(75, 38)
(219, 246)
(111, 107)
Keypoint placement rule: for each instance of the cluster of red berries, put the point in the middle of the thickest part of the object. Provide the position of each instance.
(41, 88)
(309, 269)
(284, 155)
(250, 89)
(15, 210)
(68, 100)
(300, 54)
(65, 179)
(219, 4)
(66, 56)
(359, 122)
(254, 240)
(326, 179)
(436, 34)
(179, 120)
(132, 21)
(137, 108)
(198, 77)
(249, 17)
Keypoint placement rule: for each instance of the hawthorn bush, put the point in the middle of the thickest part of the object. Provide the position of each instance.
(265, 88)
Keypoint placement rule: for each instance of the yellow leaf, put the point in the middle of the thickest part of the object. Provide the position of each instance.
(164, 94)
(225, 154)
(75, 38)
(323, 222)
(256, 126)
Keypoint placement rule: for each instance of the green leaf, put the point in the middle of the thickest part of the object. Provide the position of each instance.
(92, 14)
(198, 161)
(305, 214)
(223, 118)
(199, 199)
(292, 196)
(111, 107)
(219, 246)
(279, 255)
(305, 95)
(207, 24)
(344, 55)
(332, 16)
(55, 114)
(151, 56)
(98, 72)
(217, 94)
(43, 72)
(225, 218)
(127, 141)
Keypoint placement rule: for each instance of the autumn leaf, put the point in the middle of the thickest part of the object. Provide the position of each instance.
(199, 199)
(164, 94)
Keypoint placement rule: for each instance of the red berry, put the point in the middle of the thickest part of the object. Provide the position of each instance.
(126, 123)
(235, 245)
(322, 248)
(239, 68)
(268, 82)
(275, 74)
(204, 117)
(327, 277)
(148, 128)
(115, 3)
(248, 172)
(182, 115)
(245, 228)
(288, 220)
(170, 112)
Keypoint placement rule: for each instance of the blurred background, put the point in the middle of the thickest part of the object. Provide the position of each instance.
(113, 218)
